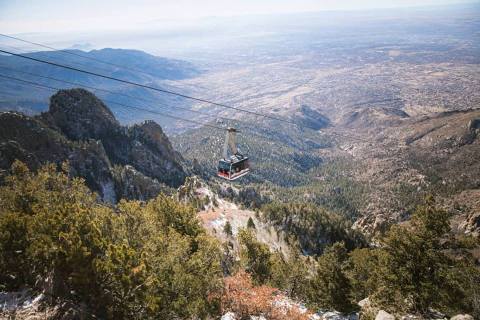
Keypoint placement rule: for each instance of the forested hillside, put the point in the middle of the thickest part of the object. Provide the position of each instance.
(154, 259)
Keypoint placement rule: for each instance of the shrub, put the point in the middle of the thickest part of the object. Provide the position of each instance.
(255, 257)
(416, 271)
(331, 288)
(244, 299)
(137, 260)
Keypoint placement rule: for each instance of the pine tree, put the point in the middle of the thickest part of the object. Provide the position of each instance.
(250, 223)
(361, 270)
(255, 256)
(330, 288)
(227, 229)
(415, 271)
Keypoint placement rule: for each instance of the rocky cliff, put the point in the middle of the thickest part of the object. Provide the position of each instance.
(115, 161)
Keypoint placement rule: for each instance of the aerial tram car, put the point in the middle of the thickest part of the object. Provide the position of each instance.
(235, 165)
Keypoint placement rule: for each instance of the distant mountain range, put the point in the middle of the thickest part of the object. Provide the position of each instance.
(139, 67)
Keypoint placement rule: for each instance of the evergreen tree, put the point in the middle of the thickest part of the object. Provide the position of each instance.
(255, 256)
(250, 223)
(227, 229)
(361, 270)
(415, 271)
(331, 288)
(291, 275)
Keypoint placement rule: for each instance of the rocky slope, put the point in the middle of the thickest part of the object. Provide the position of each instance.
(118, 162)
(415, 156)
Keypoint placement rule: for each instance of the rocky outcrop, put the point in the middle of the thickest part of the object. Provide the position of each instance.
(462, 317)
(10, 151)
(25, 305)
(28, 137)
(80, 129)
(90, 161)
(153, 153)
(383, 315)
(132, 184)
(472, 132)
(471, 224)
(30, 141)
(79, 115)
(474, 124)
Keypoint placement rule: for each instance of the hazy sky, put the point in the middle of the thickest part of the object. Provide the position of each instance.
(98, 15)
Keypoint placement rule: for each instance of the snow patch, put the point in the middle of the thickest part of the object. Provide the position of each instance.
(335, 315)
(228, 316)
(219, 223)
(108, 191)
(11, 301)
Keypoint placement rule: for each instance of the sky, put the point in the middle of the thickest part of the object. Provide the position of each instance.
(30, 16)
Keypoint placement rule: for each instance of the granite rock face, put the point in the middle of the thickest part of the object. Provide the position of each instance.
(79, 128)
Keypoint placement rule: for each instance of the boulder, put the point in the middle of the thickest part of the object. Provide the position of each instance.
(474, 124)
(228, 316)
(335, 315)
(383, 315)
(80, 115)
(462, 317)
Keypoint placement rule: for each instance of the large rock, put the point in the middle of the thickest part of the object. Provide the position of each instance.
(462, 317)
(80, 116)
(131, 184)
(335, 315)
(383, 315)
(474, 124)
(229, 316)
(153, 154)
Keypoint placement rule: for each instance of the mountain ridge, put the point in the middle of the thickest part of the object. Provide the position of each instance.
(142, 68)
(80, 129)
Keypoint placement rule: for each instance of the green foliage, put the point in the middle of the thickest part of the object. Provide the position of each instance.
(13, 243)
(332, 186)
(331, 286)
(313, 227)
(415, 271)
(336, 188)
(291, 275)
(150, 260)
(229, 262)
(361, 270)
(227, 229)
(250, 223)
(419, 266)
(273, 268)
(255, 256)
